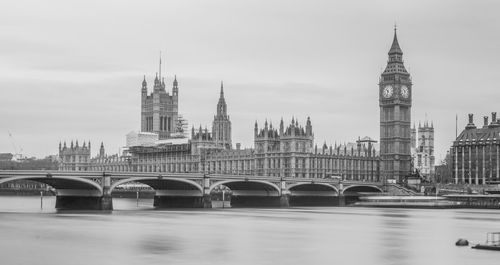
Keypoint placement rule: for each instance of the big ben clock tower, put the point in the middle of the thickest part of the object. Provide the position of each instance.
(395, 93)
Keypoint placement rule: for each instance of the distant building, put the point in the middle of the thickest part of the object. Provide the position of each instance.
(74, 157)
(159, 109)
(422, 150)
(287, 152)
(476, 153)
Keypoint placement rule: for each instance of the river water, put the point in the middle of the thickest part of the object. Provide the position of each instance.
(308, 235)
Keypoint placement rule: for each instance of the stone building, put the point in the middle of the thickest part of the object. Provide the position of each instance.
(423, 149)
(395, 100)
(476, 153)
(287, 152)
(74, 157)
(291, 152)
(159, 109)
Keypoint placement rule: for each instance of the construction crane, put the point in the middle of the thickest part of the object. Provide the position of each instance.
(17, 152)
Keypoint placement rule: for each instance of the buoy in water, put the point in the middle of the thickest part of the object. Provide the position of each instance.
(462, 242)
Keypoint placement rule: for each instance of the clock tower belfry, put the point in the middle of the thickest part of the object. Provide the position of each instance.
(395, 96)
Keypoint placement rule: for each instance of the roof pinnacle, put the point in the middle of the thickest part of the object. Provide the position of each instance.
(395, 44)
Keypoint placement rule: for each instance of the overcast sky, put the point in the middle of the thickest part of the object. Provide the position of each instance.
(73, 69)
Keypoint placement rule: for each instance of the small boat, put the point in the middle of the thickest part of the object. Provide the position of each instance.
(492, 242)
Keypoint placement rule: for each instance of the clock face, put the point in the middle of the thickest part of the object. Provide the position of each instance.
(387, 93)
(405, 92)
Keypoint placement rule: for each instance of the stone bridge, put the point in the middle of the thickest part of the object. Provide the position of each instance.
(93, 190)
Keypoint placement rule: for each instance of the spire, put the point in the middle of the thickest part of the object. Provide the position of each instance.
(175, 80)
(159, 68)
(221, 105)
(101, 150)
(144, 83)
(395, 44)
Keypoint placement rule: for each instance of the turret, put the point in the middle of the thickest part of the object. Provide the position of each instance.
(256, 130)
(144, 86)
(221, 105)
(157, 82)
(281, 127)
(175, 87)
(101, 150)
(308, 127)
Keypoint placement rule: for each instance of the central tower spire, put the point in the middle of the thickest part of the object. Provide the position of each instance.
(159, 68)
(395, 49)
(221, 126)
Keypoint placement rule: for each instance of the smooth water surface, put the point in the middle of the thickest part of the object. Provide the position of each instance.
(332, 235)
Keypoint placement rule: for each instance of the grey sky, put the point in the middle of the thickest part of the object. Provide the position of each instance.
(73, 69)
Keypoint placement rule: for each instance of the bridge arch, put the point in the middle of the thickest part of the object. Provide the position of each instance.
(61, 182)
(266, 186)
(361, 188)
(312, 187)
(312, 194)
(160, 183)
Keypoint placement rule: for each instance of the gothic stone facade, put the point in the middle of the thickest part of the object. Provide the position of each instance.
(288, 153)
(395, 98)
(74, 157)
(476, 153)
(423, 149)
(159, 110)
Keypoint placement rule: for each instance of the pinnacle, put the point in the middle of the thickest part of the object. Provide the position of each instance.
(395, 45)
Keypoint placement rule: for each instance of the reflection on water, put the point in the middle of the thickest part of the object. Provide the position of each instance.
(141, 235)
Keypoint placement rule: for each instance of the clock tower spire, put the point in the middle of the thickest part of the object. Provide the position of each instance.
(395, 98)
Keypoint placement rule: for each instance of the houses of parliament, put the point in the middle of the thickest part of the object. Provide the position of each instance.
(286, 150)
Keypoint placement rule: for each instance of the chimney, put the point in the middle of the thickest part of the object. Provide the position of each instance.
(471, 125)
(485, 121)
(238, 146)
